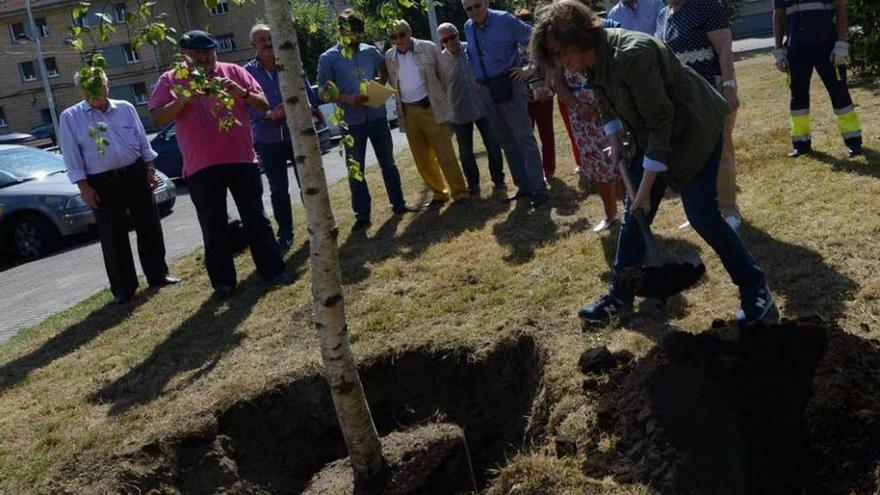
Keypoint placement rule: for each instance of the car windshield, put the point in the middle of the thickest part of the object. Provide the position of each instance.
(30, 163)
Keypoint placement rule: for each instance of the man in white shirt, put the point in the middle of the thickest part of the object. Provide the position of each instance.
(417, 71)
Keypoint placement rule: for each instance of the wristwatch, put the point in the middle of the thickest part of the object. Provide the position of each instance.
(730, 83)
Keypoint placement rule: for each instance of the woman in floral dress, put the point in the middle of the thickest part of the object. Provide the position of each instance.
(589, 143)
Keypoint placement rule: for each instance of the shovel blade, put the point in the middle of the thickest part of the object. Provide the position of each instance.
(665, 280)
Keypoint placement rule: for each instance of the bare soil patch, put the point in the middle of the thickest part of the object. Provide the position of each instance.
(789, 408)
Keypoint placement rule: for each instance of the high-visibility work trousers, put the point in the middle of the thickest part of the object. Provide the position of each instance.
(802, 60)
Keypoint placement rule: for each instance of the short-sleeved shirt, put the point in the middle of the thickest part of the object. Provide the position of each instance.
(201, 141)
(126, 139)
(467, 106)
(685, 32)
(808, 22)
(499, 39)
(365, 64)
(643, 18)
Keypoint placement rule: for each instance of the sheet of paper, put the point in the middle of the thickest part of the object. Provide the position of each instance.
(377, 93)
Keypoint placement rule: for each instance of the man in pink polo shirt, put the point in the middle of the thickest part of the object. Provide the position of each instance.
(216, 161)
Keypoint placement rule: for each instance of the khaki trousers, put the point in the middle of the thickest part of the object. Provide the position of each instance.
(727, 171)
(431, 147)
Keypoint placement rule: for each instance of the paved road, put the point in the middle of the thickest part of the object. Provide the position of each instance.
(33, 291)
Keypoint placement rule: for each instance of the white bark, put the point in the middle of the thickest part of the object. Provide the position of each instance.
(340, 371)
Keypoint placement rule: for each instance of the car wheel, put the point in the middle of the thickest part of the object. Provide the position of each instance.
(33, 237)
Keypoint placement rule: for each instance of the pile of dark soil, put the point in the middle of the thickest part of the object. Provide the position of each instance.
(785, 409)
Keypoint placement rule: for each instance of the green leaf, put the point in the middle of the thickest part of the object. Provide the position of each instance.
(210, 4)
(354, 170)
(80, 12)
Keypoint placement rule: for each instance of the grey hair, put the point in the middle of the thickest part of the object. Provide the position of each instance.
(447, 26)
(399, 24)
(258, 28)
(77, 78)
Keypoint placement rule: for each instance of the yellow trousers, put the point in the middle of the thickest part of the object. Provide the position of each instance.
(431, 147)
(727, 171)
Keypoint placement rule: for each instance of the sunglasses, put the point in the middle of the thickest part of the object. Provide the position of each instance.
(475, 6)
(449, 38)
(396, 36)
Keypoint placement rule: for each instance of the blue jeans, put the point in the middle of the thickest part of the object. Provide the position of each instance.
(274, 157)
(379, 134)
(464, 134)
(700, 199)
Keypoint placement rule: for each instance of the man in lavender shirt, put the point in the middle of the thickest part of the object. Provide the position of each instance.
(116, 182)
(637, 15)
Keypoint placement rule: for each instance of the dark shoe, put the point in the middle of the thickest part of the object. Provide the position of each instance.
(282, 279)
(285, 244)
(757, 306)
(798, 152)
(436, 203)
(518, 196)
(405, 209)
(474, 191)
(361, 225)
(122, 299)
(167, 280)
(222, 292)
(604, 310)
(499, 188)
(540, 201)
(855, 151)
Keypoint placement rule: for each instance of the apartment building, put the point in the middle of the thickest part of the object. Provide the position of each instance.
(132, 73)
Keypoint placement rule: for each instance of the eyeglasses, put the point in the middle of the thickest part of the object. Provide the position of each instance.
(475, 6)
(449, 38)
(395, 36)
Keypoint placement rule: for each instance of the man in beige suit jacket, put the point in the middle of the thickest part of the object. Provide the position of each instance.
(420, 75)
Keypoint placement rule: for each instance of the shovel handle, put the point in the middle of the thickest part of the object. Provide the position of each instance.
(653, 254)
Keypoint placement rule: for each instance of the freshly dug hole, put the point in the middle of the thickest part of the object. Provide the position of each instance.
(786, 409)
(274, 443)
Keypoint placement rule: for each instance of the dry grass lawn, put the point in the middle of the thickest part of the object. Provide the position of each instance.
(96, 381)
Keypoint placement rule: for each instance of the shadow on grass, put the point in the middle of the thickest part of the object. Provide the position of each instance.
(852, 166)
(70, 339)
(196, 346)
(810, 286)
(429, 227)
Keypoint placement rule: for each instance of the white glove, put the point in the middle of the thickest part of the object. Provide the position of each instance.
(781, 59)
(840, 55)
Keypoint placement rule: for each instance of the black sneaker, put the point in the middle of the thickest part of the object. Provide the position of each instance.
(361, 225)
(757, 306)
(604, 310)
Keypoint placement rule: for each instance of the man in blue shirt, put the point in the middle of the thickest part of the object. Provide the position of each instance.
(271, 134)
(117, 184)
(494, 38)
(347, 73)
(637, 15)
(815, 33)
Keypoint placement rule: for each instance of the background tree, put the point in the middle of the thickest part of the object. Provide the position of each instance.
(864, 36)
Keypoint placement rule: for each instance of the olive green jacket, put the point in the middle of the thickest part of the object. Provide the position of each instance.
(675, 116)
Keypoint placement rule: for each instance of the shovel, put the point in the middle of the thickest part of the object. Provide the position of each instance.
(658, 278)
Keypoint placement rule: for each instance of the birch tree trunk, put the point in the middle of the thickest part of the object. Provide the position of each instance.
(340, 372)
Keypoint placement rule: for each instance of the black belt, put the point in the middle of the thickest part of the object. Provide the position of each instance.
(118, 171)
(424, 103)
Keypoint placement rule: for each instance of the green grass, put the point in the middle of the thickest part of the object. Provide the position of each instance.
(93, 382)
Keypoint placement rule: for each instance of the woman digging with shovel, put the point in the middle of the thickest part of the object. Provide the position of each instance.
(676, 120)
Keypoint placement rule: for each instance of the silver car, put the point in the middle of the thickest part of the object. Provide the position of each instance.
(39, 205)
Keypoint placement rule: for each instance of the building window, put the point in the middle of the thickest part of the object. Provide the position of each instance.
(119, 12)
(141, 95)
(225, 43)
(42, 27)
(221, 8)
(3, 118)
(51, 67)
(131, 55)
(45, 115)
(18, 32)
(28, 71)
